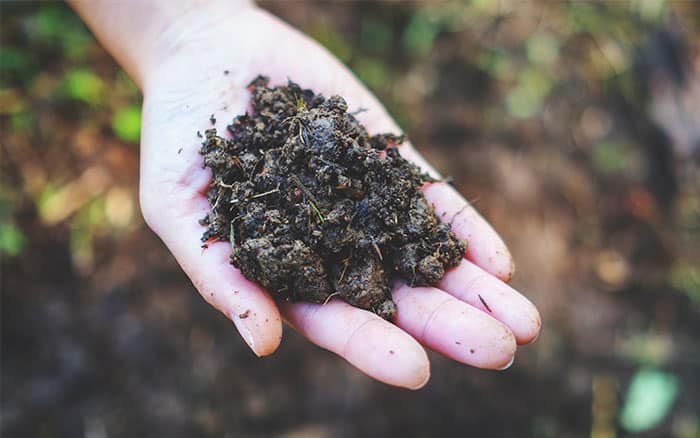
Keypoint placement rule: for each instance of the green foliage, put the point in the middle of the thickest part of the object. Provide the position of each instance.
(84, 85)
(332, 40)
(375, 36)
(649, 399)
(50, 21)
(12, 241)
(485, 7)
(125, 86)
(22, 121)
(126, 123)
(584, 17)
(15, 62)
(56, 25)
(652, 11)
(525, 99)
(613, 157)
(497, 63)
(88, 222)
(687, 278)
(50, 202)
(12, 102)
(544, 426)
(542, 48)
(647, 348)
(372, 72)
(421, 32)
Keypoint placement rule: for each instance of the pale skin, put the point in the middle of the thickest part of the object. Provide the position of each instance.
(195, 59)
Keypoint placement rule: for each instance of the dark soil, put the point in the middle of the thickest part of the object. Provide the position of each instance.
(315, 207)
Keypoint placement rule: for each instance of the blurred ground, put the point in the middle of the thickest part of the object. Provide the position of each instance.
(572, 126)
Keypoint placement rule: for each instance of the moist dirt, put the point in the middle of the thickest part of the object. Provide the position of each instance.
(315, 207)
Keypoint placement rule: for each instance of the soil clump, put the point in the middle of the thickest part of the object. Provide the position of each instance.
(315, 207)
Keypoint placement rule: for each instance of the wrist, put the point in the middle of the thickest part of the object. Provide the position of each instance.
(142, 35)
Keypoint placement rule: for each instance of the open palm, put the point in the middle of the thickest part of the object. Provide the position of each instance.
(472, 316)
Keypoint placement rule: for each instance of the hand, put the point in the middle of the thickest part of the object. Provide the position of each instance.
(472, 316)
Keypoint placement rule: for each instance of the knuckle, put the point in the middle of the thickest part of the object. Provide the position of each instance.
(355, 335)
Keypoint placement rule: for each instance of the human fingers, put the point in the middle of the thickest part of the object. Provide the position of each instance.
(374, 346)
(455, 329)
(484, 246)
(252, 310)
(473, 285)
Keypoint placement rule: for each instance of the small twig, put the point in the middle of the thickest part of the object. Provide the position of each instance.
(232, 236)
(379, 253)
(461, 210)
(483, 301)
(318, 212)
(342, 274)
(269, 192)
(449, 179)
(329, 298)
(301, 134)
(218, 198)
(252, 172)
(295, 179)
(259, 195)
(208, 242)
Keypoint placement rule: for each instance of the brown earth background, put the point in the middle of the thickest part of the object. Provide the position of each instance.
(573, 127)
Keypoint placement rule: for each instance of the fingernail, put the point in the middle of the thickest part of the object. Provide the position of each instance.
(532, 341)
(244, 331)
(508, 365)
(424, 382)
(538, 323)
(511, 274)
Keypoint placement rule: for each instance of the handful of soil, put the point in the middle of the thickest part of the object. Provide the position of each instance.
(315, 207)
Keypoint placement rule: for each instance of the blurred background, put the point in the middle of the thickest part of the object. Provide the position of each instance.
(573, 127)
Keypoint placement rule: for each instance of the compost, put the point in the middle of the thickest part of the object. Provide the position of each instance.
(315, 207)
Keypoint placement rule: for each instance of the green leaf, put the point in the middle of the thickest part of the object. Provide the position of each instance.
(83, 84)
(372, 72)
(332, 40)
(126, 123)
(526, 98)
(521, 103)
(50, 21)
(498, 63)
(612, 157)
(16, 62)
(420, 34)
(649, 399)
(652, 11)
(584, 17)
(375, 36)
(686, 278)
(22, 121)
(12, 240)
(542, 48)
(56, 25)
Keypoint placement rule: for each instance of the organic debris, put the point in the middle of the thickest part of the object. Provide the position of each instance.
(314, 206)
